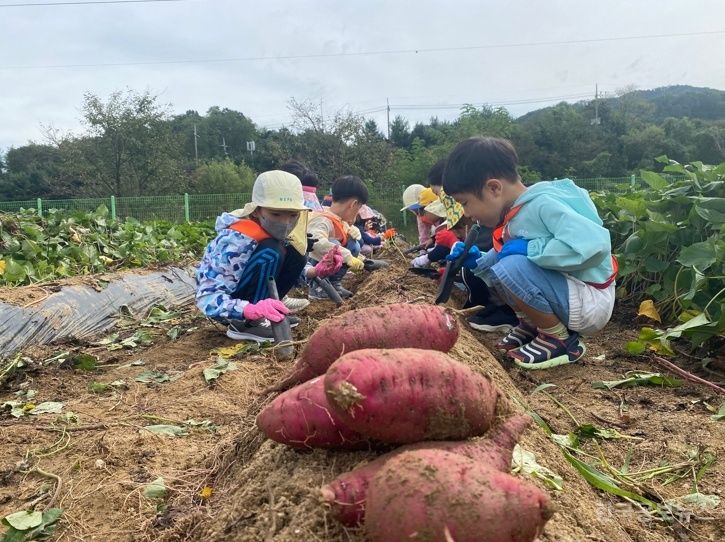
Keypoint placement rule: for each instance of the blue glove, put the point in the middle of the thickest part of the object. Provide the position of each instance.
(474, 254)
(514, 246)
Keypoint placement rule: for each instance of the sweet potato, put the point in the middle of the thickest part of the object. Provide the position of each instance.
(407, 395)
(346, 494)
(302, 418)
(398, 325)
(434, 495)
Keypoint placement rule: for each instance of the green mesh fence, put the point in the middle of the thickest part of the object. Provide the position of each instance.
(197, 207)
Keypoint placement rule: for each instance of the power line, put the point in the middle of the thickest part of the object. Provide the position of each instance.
(359, 53)
(29, 4)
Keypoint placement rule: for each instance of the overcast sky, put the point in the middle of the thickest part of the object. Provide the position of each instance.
(486, 56)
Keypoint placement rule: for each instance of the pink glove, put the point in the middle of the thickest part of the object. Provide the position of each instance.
(271, 309)
(330, 263)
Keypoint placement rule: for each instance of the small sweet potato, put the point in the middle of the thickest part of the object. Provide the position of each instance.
(405, 395)
(398, 325)
(346, 494)
(302, 418)
(434, 495)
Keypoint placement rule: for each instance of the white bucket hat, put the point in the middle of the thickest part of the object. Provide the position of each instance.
(410, 195)
(275, 190)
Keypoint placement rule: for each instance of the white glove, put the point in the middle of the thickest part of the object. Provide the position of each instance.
(354, 233)
(421, 261)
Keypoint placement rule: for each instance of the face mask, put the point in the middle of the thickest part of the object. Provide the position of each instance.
(278, 230)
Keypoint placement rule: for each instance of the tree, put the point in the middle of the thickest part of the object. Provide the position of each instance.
(222, 177)
(31, 171)
(400, 133)
(129, 148)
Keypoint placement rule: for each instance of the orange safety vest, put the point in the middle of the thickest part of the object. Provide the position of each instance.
(501, 232)
(250, 228)
(339, 227)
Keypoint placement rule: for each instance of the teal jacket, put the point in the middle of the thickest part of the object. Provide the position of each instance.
(564, 231)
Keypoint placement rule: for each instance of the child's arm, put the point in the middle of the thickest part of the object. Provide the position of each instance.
(576, 242)
(220, 272)
(372, 240)
(322, 229)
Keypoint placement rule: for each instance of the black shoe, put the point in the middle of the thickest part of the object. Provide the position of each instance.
(372, 265)
(244, 330)
(494, 318)
(294, 321)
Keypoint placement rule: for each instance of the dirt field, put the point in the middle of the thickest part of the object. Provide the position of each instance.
(228, 483)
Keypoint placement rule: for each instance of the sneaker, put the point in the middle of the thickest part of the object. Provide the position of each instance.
(294, 321)
(494, 318)
(344, 292)
(522, 334)
(315, 293)
(250, 330)
(295, 304)
(547, 351)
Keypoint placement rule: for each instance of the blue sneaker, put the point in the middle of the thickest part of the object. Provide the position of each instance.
(546, 351)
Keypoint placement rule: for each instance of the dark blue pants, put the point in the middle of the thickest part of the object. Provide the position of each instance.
(270, 259)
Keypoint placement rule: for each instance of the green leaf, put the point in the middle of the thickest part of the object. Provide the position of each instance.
(700, 255)
(159, 314)
(155, 490)
(207, 425)
(524, 461)
(603, 482)
(48, 407)
(84, 362)
(654, 180)
(148, 377)
(542, 387)
(167, 430)
(222, 366)
(635, 347)
(14, 272)
(720, 413)
(653, 265)
(588, 430)
(639, 379)
(22, 521)
(174, 333)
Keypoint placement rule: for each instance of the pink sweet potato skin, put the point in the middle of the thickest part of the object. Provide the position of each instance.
(427, 495)
(406, 395)
(399, 325)
(302, 418)
(346, 495)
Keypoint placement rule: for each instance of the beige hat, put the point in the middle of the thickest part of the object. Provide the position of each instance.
(410, 195)
(275, 190)
(436, 208)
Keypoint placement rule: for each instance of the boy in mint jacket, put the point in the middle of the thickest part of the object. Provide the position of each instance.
(551, 260)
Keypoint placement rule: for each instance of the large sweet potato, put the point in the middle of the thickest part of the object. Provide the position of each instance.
(301, 417)
(346, 494)
(398, 325)
(405, 395)
(434, 495)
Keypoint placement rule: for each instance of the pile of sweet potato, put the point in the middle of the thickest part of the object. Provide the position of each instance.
(367, 385)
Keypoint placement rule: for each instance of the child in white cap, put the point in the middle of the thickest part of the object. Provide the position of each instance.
(251, 245)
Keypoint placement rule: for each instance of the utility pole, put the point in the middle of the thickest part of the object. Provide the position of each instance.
(596, 121)
(224, 146)
(196, 148)
(322, 116)
(387, 100)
